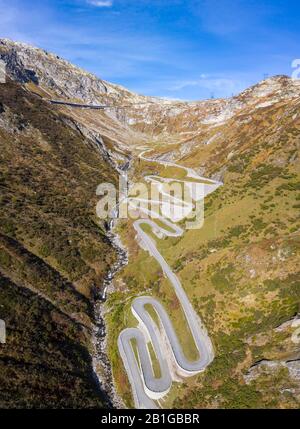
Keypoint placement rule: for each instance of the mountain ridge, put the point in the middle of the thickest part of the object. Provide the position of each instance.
(240, 270)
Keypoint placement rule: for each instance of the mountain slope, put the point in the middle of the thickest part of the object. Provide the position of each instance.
(53, 254)
(240, 271)
(134, 119)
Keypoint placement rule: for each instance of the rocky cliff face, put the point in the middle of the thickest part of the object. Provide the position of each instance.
(51, 72)
(51, 77)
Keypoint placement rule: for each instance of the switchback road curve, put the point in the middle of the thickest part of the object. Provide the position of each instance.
(148, 389)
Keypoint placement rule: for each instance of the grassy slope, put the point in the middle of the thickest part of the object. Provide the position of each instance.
(240, 270)
(53, 254)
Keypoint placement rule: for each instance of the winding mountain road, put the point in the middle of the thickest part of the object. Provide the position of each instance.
(146, 387)
(79, 105)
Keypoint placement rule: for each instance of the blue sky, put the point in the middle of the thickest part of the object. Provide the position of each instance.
(187, 49)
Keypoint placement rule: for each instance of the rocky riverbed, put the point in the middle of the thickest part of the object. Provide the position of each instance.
(101, 362)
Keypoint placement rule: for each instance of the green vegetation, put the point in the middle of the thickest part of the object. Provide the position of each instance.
(45, 355)
(53, 255)
(240, 270)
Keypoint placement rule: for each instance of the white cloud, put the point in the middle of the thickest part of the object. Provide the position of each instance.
(100, 3)
(205, 82)
(222, 85)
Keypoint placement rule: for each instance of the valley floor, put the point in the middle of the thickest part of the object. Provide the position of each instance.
(221, 269)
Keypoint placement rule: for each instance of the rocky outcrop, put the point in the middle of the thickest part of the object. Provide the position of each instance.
(195, 124)
(267, 366)
(26, 63)
(15, 67)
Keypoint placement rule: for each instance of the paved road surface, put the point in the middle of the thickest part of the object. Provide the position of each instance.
(174, 365)
(82, 106)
